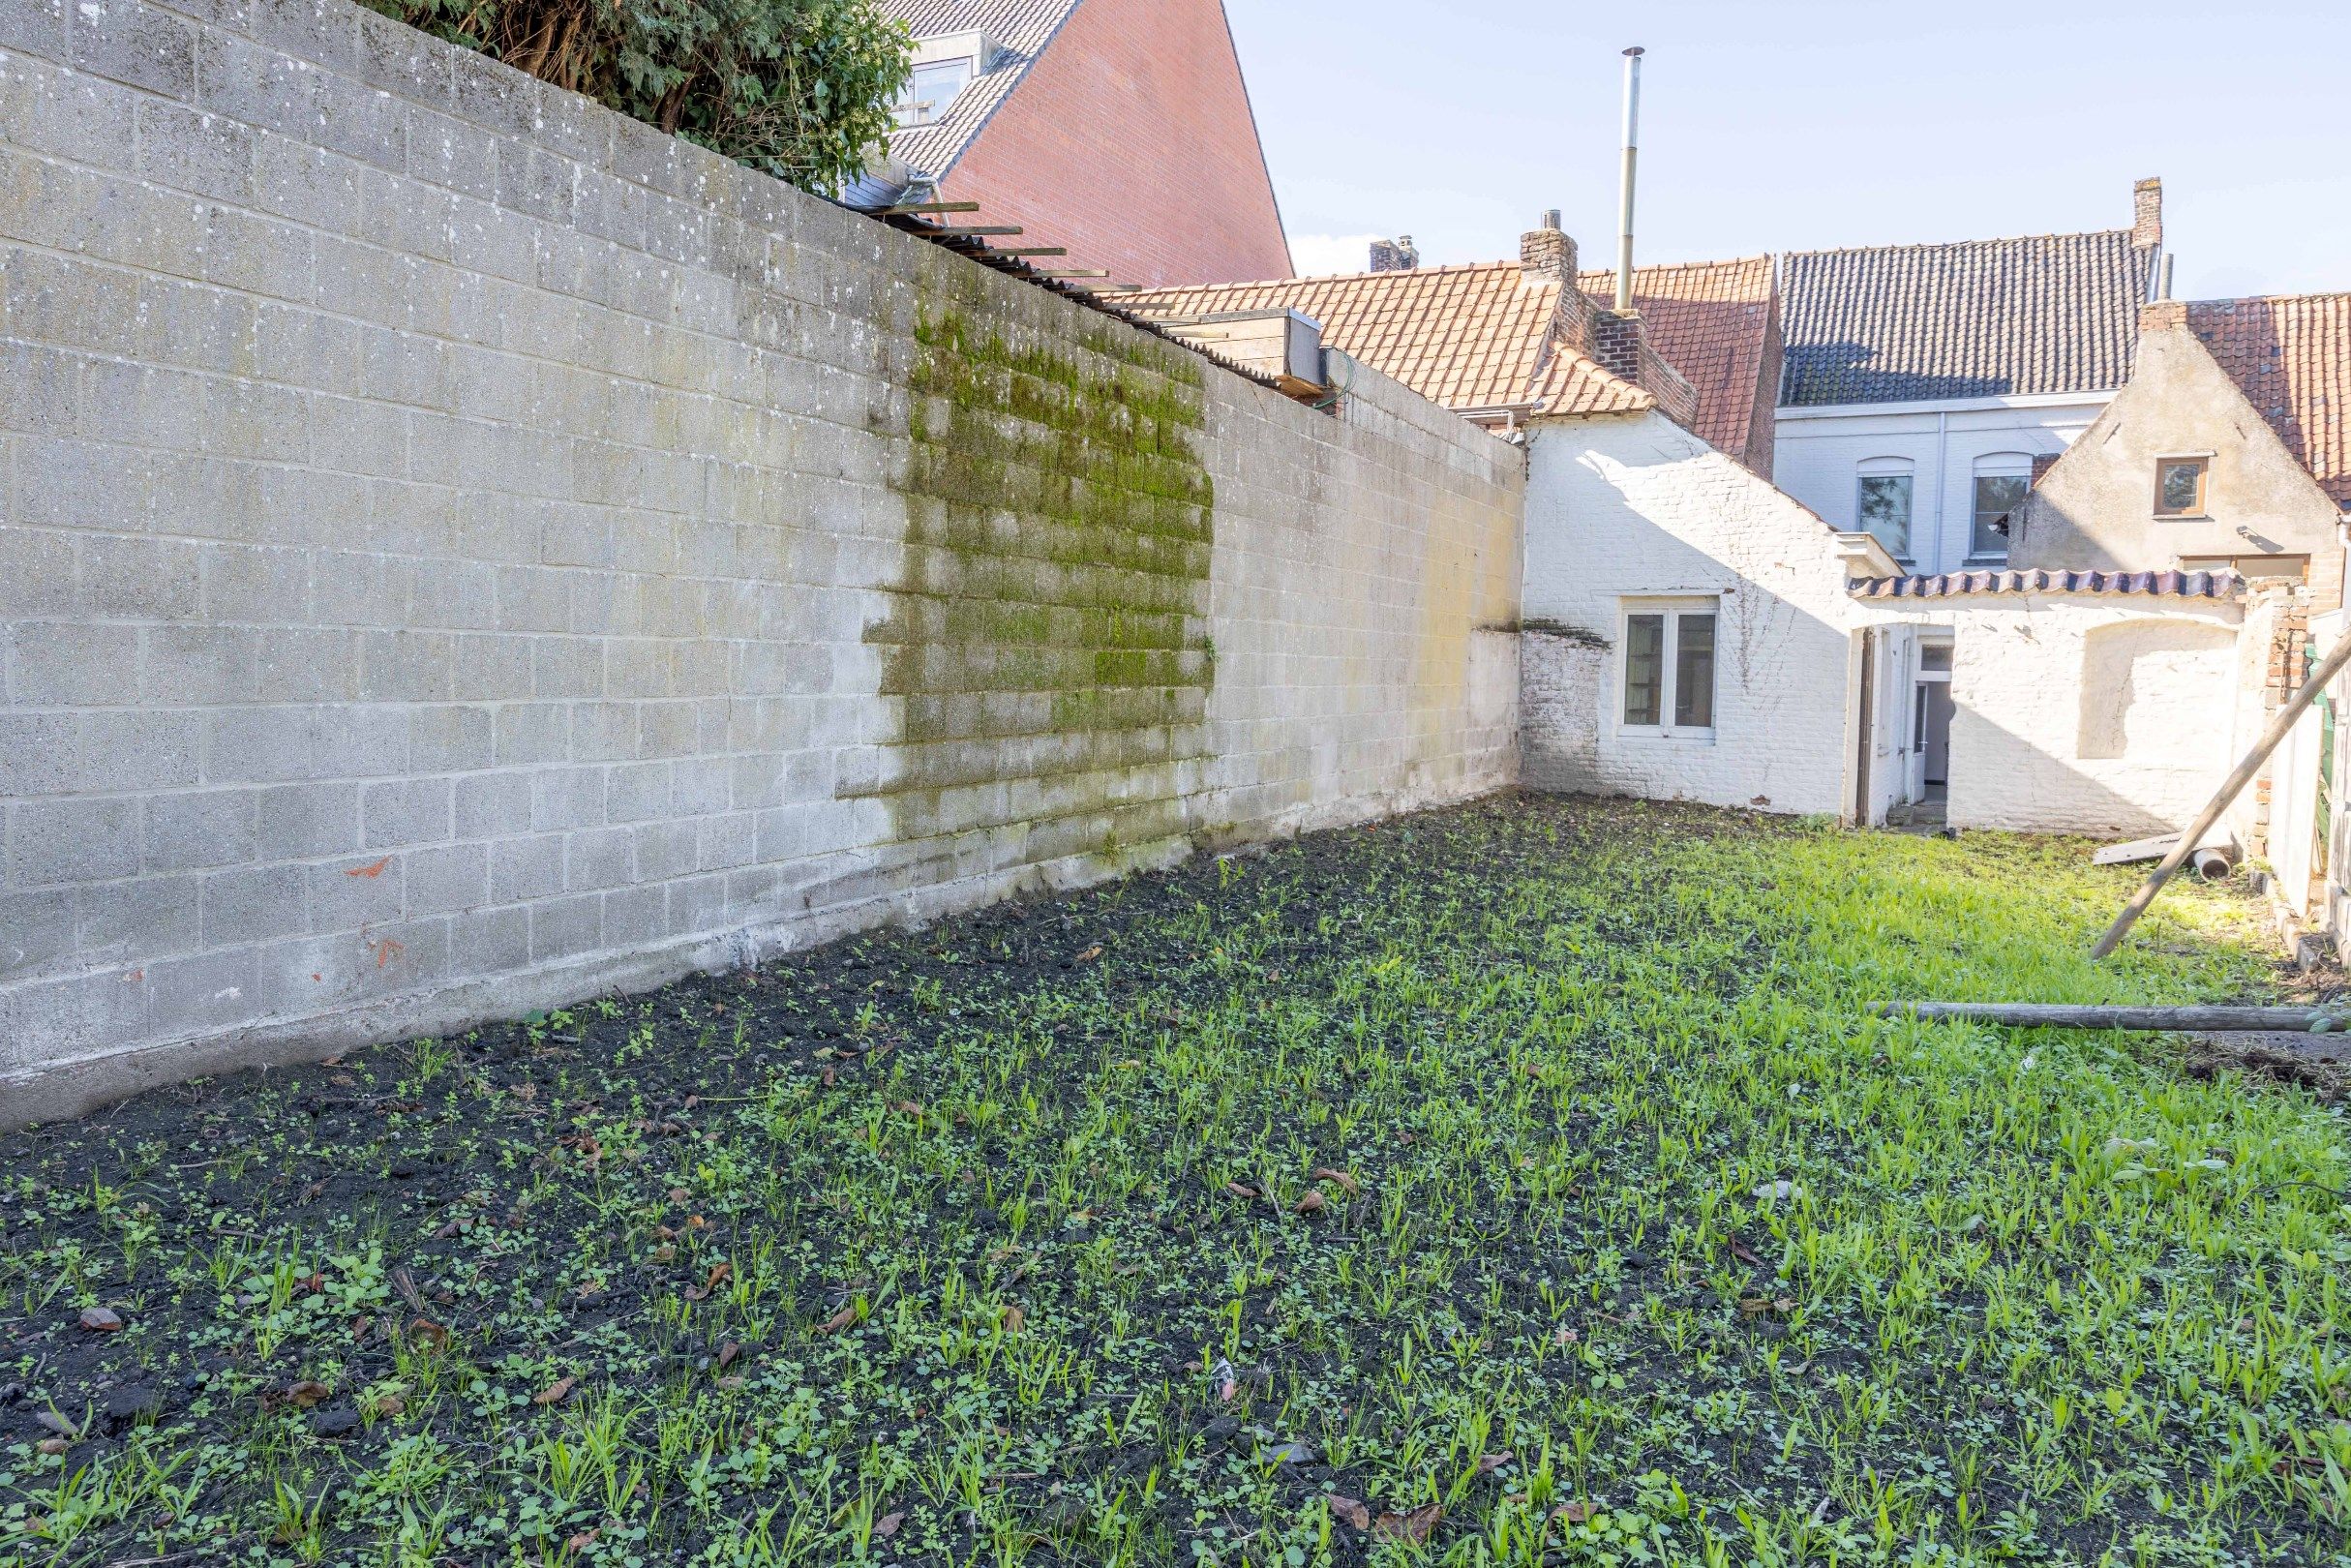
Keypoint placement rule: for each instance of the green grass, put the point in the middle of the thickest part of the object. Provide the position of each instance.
(985, 1246)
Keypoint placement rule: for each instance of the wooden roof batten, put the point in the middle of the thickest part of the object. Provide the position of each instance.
(1090, 287)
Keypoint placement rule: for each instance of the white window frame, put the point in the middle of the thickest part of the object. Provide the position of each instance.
(1890, 467)
(910, 112)
(1670, 666)
(1996, 465)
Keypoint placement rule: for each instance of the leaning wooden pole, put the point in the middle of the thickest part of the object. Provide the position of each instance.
(2230, 788)
(2201, 1020)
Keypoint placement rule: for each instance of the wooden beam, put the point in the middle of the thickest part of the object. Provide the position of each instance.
(907, 209)
(2192, 838)
(1078, 272)
(2202, 1019)
(1028, 250)
(975, 231)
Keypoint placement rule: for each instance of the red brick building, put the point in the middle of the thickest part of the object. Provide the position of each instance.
(1120, 129)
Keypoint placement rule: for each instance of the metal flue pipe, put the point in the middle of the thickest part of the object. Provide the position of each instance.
(1632, 153)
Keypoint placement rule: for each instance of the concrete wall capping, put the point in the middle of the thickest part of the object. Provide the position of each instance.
(460, 550)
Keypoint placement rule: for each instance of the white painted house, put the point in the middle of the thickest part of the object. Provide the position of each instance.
(1924, 384)
(1692, 631)
(1686, 631)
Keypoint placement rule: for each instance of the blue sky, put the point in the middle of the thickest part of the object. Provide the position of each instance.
(1803, 124)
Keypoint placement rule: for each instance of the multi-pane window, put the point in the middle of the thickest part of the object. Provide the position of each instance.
(1669, 668)
(1885, 511)
(2180, 486)
(932, 90)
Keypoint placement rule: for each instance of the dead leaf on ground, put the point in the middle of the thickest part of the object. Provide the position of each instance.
(1414, 1526)
(828, 1077)
(1565, 1336)
(1015, 1319)
(555, 1391)
(718, 1276)
(432, 1335)
(308, 1393)
(887, 1525)
(52, 1445)
(907, 1108)
(1311, 1203)
(1091, 953)
(100, 1319)
(1488, 1463)
(1349, 1510)
(727, 1353)
(390, 1404)
(1745, 1254)
(57, 1423)
(1339, 1178)
(840, 1320)
(1572, 1513)
(1242, 1189)
(582, 1541)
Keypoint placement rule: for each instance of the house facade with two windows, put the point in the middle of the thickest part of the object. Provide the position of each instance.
(1926, 384)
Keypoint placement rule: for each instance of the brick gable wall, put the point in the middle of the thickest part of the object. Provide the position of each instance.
(1132, 143)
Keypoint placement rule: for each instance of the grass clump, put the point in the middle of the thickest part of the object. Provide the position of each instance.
(1510, 1185)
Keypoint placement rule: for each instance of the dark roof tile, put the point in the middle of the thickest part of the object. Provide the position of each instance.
(1901, 324)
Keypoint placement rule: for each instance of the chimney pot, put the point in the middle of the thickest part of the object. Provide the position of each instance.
(1395, 256)
(2146, 213)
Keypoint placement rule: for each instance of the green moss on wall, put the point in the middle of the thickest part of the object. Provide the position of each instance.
(1047, 641)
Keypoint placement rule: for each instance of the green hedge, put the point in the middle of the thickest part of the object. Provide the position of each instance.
(798, 88)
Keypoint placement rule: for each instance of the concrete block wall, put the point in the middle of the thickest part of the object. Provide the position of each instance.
(451, 536)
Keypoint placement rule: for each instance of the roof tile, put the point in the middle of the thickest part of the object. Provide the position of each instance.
(1964, 585)
(1473, 336)
(2291, 357)
(1898, 323)
(1021, 28)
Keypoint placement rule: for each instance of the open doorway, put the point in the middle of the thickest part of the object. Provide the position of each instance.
(1930, 748)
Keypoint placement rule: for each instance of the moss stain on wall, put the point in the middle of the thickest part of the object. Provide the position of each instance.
(1047, 641)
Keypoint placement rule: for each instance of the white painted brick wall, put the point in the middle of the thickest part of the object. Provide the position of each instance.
(1623, 507)
(2090, 715)
(440, 521)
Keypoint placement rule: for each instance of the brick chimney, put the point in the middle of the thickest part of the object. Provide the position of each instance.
(2147, 215)
(1546, 255)
(2162, 315)
(1616, 342)
(1398, 254)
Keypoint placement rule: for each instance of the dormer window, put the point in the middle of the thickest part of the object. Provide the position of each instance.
(943, 66)
(932, 90)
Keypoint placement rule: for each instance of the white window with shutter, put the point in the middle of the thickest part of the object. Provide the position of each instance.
(1666, 687)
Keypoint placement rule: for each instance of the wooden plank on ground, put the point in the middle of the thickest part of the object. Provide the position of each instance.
(2198, 1020)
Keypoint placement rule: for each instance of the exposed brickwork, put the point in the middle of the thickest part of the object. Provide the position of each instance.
(2146, 213)
(1616, 342)
(1130, 141)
